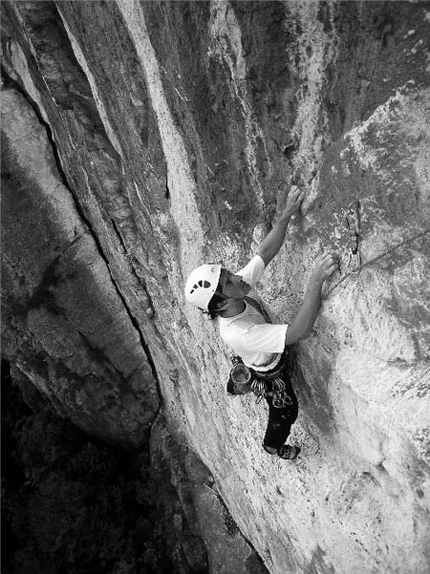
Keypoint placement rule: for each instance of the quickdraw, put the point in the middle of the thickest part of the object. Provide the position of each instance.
(278, 392)
(374, 259)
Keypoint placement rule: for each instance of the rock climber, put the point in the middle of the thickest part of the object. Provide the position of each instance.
(247, 327)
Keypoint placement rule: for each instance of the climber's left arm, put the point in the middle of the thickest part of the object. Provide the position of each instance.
(300, 328)
(273, 241)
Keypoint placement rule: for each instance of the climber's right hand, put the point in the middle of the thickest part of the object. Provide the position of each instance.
(294, 200)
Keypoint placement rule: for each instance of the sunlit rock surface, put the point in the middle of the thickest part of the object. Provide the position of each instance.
(141, 139)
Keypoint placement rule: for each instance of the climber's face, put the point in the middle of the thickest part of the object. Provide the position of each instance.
(232, 285)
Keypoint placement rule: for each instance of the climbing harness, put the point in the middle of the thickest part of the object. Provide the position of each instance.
(243, 380)
(264, 386)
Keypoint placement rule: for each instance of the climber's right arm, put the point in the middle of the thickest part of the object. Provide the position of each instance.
(300, 328)
(272, 243)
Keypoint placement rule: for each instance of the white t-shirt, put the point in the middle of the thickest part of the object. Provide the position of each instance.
(259, 343)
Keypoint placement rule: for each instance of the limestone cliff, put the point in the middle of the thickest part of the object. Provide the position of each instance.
(142, 138)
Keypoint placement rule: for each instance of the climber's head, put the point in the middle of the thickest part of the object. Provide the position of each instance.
(210, 288)
(202, 285)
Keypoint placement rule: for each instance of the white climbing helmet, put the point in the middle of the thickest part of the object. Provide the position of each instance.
(201, 285)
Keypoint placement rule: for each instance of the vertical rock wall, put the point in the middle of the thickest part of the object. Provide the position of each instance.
(142, 138)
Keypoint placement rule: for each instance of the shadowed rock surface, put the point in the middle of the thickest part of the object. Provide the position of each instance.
(141, 139)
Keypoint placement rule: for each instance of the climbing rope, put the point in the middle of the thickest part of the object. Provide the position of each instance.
(374, 259)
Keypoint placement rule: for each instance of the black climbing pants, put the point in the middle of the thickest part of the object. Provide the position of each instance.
(280, 418)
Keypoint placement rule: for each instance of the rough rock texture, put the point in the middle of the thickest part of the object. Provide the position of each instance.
(66, 325)
(140, 139)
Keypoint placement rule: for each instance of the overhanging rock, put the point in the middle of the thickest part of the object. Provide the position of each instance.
(176, 129)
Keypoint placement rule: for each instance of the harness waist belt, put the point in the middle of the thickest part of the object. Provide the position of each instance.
(274, 362)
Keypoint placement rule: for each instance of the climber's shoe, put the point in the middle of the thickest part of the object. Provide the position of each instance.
(288, 452)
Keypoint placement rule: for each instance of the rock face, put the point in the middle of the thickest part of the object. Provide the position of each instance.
(141, 139)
